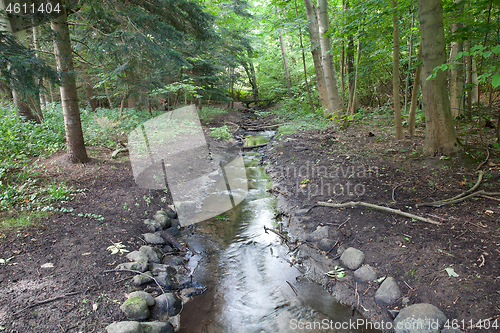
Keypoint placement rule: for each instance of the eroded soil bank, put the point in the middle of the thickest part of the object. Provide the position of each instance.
(365, 164)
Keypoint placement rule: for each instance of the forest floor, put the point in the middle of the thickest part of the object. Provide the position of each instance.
(72, 294)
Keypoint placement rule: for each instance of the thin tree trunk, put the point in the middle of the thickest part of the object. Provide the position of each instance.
(71, 112)
(395, 72)
(414, 94)
(334, 100)
(303, 59)
(108, 97)
(88, 89)
(354, 105)
(342, 70)
(440, 135)
(39, 81)
(456, 74)
(285, 63)
(316, 53)
(410, 51)
(468, 60)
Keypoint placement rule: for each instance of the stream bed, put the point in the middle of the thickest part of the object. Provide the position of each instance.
(251, 285)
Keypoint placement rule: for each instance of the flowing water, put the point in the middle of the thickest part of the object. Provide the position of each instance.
(251, 285)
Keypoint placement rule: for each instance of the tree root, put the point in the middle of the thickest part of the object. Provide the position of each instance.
(465, 195)
(385, 209)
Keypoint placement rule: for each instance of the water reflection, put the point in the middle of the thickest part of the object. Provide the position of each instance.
(248, 277)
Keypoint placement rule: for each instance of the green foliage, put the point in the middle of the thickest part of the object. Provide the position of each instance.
(208, 113)
(222, 132)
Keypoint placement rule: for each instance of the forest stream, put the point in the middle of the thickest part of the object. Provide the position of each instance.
(252, 287)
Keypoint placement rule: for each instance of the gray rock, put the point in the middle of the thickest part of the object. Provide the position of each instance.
(153, 238)
(365, 274)
(150, 301)
(167, 280)
(140, 266)
(124, 327)
(326, 244)
(341, 249)
(319, 233)
(301, 212)
(157, 268)
(166, 305)
(152, 225)
(405, 301)
(388, 292)
(352, 258)
(174, 229)
(173, 261)
(171, 214)
(163, 219)
(419, 318)
(153, 254)
(137, 256)
(157, 327)
(141, 279)
(135, 308)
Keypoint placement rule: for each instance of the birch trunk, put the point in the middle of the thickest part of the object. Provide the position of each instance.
(414, 94)
(69, 99)
(440, 135)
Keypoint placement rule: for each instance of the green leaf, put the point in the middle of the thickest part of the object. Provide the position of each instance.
(451, 272)
(495, 80)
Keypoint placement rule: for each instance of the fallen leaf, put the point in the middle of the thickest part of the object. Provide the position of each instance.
(95, 306)
(451, 272)
(47, 265)
(86, 253)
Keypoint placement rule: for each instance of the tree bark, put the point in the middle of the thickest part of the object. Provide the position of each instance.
(414, 94)
(303, 59)
(285, 64)
(334, 100)
(440, 135)
(69, 99)
(395, 72)
(456, 74)
(316, 53)
(88, 88)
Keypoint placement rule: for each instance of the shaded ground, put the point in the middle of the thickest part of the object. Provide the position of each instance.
(385, 173)
(365, 164)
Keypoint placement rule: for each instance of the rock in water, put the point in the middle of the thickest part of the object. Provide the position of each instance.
(419, 318)
(352, 258)
(388, 292)
(135, 308)
(166, 305)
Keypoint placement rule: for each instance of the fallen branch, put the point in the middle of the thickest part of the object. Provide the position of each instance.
(385, 209)
(169, 239)
(457, 197)
(486, 160)
(262, 127)
(266, 229)
(137, 272)
(47, 301)
(447, 202)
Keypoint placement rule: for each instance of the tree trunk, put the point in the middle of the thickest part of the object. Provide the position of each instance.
(69, 99)
(88, 88)
(334, 100)
(414, 94)
(23, 108)
(316, 53)
(395, 72)
(468, 60)
(456, 74)
(354, 105)
(410, 53)
(303, 59)
(285, 64)
(252, 79)
(440, 135)
(132, 102)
